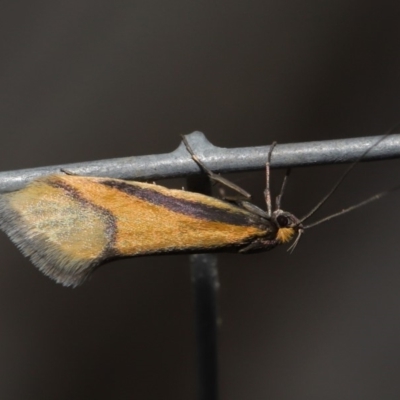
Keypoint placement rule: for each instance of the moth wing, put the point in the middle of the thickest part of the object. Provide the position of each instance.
(62, 235)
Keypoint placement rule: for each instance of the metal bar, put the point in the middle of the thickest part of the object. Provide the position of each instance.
(218, 159)
(204, 275)
(205, 281)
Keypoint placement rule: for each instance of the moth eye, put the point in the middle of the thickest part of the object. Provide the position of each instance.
(282, 221)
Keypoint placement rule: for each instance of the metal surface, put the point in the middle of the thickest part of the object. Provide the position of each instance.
(179, 162)
(205, 283)
(204, 274)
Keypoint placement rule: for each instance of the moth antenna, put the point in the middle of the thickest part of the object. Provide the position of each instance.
(341, 179)
(353, 207)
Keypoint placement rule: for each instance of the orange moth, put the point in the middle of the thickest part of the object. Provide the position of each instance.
(68, 225)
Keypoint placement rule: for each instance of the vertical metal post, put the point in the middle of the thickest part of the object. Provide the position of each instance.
(204, 275)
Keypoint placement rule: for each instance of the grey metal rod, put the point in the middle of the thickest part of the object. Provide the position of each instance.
(218, 159)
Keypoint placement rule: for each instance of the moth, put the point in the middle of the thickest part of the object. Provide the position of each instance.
(68, 225)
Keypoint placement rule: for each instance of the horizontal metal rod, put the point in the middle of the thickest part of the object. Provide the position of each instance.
(218, 159)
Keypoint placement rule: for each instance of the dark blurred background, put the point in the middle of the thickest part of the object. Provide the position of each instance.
(86, 80)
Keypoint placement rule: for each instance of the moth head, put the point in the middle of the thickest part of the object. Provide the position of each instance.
(287, 226)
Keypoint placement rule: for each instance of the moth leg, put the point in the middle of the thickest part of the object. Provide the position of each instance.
(279, 197)
(259, 245)
(68, 172)
(212, 175)
(234, 198)
(252, 208)
(267, 191)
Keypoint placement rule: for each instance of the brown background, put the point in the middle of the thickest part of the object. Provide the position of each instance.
(86, 80)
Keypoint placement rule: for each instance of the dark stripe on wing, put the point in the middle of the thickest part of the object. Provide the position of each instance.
(186, 207)
(111, 230)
